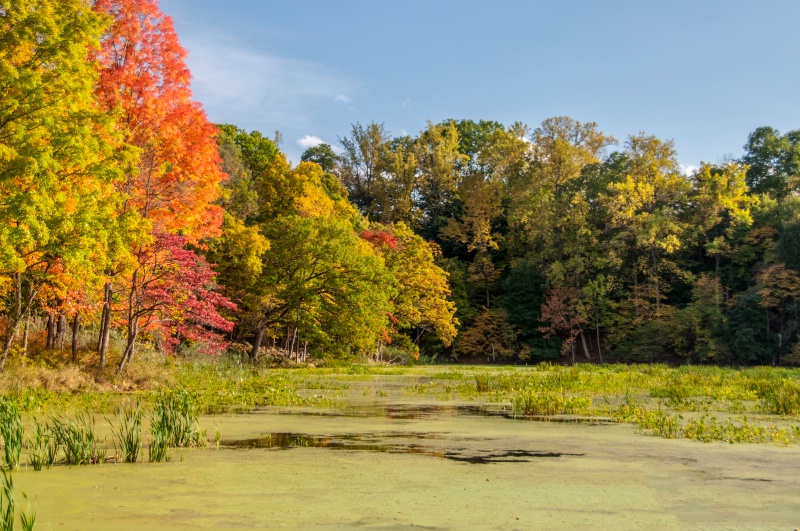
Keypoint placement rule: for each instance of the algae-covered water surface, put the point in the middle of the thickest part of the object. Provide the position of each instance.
(394, 451)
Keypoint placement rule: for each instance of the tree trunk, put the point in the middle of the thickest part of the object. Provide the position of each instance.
(15, 318)
(635, 293)
(585, 348)
(26, 333)
(134, 305)
(76, 325)
(51, 331)
(597, 331)
(257, 344)
(61, 330)
(127, 356)
(105, 325)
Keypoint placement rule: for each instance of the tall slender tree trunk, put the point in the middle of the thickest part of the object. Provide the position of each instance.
(635, 293)
(15, 318)
(127, 355)
(658, 286)
(597, 331)
(105, 324)
(76, 325)
(133, 324)
(26, 333)
(585, 347)
(61, 330)
(7, 346)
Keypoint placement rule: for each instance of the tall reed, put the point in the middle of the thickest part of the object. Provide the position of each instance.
(129, 433)
(10, 431)
(78, 439)
(176, 420)
(8, 506)
(159, 449)
(43, 446)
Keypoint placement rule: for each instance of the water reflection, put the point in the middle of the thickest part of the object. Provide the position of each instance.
(392, 442)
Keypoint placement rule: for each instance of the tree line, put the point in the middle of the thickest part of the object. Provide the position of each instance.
(562, 241)
(125, 212)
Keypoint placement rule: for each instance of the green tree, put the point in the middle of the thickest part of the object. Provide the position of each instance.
(773, 162)
(323, 155)
(645, 209)
(361, 166)
(58, 152)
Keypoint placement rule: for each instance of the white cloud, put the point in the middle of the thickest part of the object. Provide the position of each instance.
(343, 99)
(310, 141)
(688, 169)
(406, 102)
(313, 140)
(255, 89)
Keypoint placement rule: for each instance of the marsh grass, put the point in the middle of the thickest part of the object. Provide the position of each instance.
(128, 435)
(707, 429)
(159, 449)
(8, 506)
(658, 422)
(176, 420)
(7, 502)
(78, 439)
(534, 402)
(780, 398)
(42, 446)
(483, 382)
(11, 432)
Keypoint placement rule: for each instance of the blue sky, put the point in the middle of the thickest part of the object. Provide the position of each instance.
(703, 73)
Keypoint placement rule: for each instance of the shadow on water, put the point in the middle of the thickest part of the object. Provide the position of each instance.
(387, 443)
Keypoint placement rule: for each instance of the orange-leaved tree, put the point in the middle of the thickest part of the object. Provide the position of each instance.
(177, 178)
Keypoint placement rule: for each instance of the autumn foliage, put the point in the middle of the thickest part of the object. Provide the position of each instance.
(127, 215)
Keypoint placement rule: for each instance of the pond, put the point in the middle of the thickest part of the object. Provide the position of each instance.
(392, 460)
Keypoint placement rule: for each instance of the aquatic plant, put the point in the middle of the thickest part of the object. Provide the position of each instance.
(8, 506)
(43, 446)
(781, 398)
(128, 434)
(10, 432)
(78, 439)
(159, 449)
(482, 382)
(674, 390)
(706, 429)
(658, 422)
(534, 402)
(176, 420)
